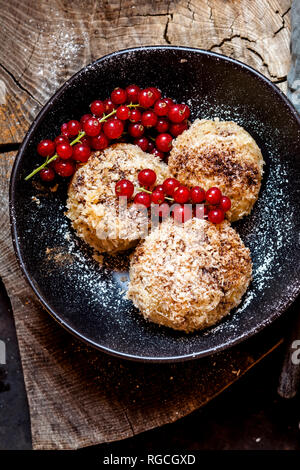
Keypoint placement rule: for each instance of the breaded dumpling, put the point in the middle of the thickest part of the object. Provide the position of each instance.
(93, 206)
(189, 276)
(223, 154)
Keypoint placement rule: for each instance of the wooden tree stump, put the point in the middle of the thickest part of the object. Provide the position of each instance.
(43, 44)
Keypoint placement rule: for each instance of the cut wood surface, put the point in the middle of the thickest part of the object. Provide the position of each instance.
(77, 396)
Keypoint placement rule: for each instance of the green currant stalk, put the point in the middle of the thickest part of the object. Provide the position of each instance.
(166, 197)
(54, 157)
(150, 192)
(75, 141)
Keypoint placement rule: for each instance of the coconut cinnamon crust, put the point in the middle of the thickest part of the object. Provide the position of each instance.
(189, 276)
(222, 154)
(93, 206)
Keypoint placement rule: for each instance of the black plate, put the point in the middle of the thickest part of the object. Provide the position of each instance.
(88, 299)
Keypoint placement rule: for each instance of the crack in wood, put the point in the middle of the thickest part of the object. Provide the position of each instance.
(229, 39)
(190, 9)
(129, 422)
(30, 57)
(166, 37)
(19, 85)
(9, 147)
(283, 22)
(273, 76)
(210, 9)
(280, 80)
(119, 11)
(264, 64)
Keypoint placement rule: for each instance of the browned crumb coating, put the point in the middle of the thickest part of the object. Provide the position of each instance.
(92, 203)
(188, 277)
(223, 154)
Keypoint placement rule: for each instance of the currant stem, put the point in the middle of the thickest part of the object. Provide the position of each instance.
(49, 160)
(150, 192)
(77, 139)
(37, 170)
(145, 190)
(106, 116)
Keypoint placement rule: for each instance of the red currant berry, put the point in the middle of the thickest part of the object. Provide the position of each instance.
(86, 140)
(136, 130)
(142, 142)
(51, 164)
(225, 203)
(74, 127)
(108, 106)
(47, 175)
(64, 168)
(158, 153)
(181, 195)
(150, 146)
(164, 210)
(164, 142)
(46, 148)
(97, 108)
(156, 92)
(177, 129)
(118, 96)
(92, 127)
(161, 108)
(216, 216)
(64, 150)
(186, 111)
(64, 129)
(81, 152)
(197, 195)
(206, 210)
(169, 185)
(213, 195)
(60, 139)
(113, 128)
(169, 101)
(182, 213)
(162, 125)
(133, 94)
(135, 115)
(157, 197)
(176, 113)
(124, 188)
(147, 177)
(146, 98)
(100, 142)
(199, 211)
(143, 198)
(159, 187)
(84, 118)
(123, 113)
(149, 118)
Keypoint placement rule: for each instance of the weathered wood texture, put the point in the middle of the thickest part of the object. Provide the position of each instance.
(43, 43)
(78, 397)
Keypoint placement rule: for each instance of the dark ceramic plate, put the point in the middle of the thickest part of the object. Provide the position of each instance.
(88, 299)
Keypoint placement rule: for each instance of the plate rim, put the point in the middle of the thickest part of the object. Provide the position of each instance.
(276, 313)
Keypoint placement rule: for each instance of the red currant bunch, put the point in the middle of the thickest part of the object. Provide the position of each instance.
(171, 191)
(137, 115)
